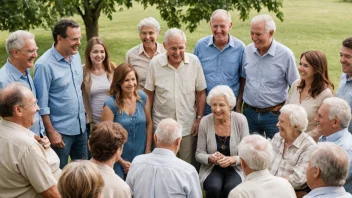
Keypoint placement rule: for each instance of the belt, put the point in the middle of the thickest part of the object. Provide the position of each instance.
(265, 110)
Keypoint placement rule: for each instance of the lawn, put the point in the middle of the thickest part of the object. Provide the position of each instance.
(308, 24)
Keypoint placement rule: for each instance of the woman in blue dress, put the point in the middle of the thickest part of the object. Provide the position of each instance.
(128, 106)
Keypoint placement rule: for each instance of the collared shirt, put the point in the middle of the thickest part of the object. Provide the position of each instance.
(175, 89)
(161, 174)
(58, 85)
(268, 76)
(220, 67)
(24, 168)
(139, 59)
(343, 138)
(263, 184)
(294, 161)
(9, 74)
(345, 92)
(329, 192)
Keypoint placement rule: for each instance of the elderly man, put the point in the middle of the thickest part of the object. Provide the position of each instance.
(345, 87)
(269, 68)
(22, 50)
(161, 173)
(24, 167)
(58, 77)
(333, 118)
(175, 83)
(327, 170)
(221, 56)
(256, 153)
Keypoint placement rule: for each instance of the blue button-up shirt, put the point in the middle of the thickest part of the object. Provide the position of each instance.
(345, 92)
(343, 138)
(268, 76)
(328, 192)
(10, 74)
(220, 67)
(58, 85)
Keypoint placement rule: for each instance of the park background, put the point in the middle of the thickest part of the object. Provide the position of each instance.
(308, 25)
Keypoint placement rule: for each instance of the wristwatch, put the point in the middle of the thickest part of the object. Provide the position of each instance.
(199, 117)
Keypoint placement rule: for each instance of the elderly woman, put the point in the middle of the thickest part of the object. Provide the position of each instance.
(140, 55)
(219, 134)
(292, 146)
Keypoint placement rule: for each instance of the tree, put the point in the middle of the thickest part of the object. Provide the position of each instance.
(26, 14)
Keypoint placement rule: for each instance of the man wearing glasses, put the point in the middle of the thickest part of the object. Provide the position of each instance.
(58, 77)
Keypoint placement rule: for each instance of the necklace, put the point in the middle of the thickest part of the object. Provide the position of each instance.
(129, 103)
(223, 142)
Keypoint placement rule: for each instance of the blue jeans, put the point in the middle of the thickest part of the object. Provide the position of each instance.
(261, 122)
(75, 147)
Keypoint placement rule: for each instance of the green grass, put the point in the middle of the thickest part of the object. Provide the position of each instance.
(308, 24)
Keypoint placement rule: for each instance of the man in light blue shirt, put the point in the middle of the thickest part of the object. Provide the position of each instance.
(58, 77)
(327, 170)
(269, 68)
(161, 174)
(22, 50)
(221, 56)
(333, 118)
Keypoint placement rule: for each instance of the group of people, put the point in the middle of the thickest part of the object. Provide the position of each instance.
(232, 120)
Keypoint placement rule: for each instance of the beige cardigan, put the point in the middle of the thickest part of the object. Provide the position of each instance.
(207, 142)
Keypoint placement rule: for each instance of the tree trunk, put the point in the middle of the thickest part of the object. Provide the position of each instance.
(91, 23)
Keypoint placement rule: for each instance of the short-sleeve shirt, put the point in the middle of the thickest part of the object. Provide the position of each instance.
(175, 89)
(268, 76)
(345, 92)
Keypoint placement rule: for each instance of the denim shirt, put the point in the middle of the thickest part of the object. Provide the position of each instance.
(9, 74)
(345, 92)
(58, 85)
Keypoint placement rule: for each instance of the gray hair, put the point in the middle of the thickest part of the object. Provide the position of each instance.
(16, 40)
(149, 22)
(173, 32)
(221, 12)
(168, 131)
(333, 162)
(298, 116)
(256, 151)
(339, 109)
(267, 19)
(222, 90)
(14, 96)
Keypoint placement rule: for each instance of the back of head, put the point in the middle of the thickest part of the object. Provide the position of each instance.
(256, 151)
(267, 20)
(333, 162)
(11, 95)
(16, 40)
(168, 131)
(339, 109)
(80, 179)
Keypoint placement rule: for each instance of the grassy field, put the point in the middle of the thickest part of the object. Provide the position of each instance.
(308, 24)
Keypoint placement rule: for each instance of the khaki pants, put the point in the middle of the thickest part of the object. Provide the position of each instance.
(188, 149)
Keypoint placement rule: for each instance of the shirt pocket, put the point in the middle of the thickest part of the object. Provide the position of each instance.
(188, 86)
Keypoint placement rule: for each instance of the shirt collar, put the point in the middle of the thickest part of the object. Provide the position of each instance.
(16, 74)
(58, 56)
(164, 62)
(163, 151)
(271, 51)
(17, 127)
(327, 190)
(158, 49)
(230, 43)
(258, 174)
(333, 137)
(298, 141)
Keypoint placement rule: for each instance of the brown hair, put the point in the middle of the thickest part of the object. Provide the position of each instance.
(80, 179)
(105, 139)
(119, 77)
(321, 81)
(347, 43)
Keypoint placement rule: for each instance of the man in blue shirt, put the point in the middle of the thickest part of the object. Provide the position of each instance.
(345, 87)
(269, 69)
(22, 50)
(333, 118)
(221, 56)
(58, 77)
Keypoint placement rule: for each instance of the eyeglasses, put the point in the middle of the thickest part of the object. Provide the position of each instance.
(34, 104)
(29, 52)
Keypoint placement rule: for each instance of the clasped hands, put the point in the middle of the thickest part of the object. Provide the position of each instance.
(221, 160)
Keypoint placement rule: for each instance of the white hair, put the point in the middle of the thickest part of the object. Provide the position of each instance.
(333, 162)
(221, 12)
(298, 116)
(149, 22)
(222, 90)
(168, 131)
(339, 109)
(17, 40)
(267, 19)
(173, 32)
(256, 151)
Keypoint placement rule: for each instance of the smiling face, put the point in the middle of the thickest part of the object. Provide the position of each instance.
(325, 125)
(306, 70)
(28, 109)
(25, 57)
(284, 125)
(175, 48)
(220, 27)
(261, 39)
(220, 107)
(71, 43)
(346, 60)
(148, 36)
(97, 54)
(130, 83)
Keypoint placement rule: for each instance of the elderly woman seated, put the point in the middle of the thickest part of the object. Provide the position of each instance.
(219, 134)
(292, 146)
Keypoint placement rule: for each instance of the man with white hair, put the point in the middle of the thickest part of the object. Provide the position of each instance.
(327, 171)
(175, 83)
(221, 56)
(161, 173)
(255, 154)
(268, 68)
(333, 118)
